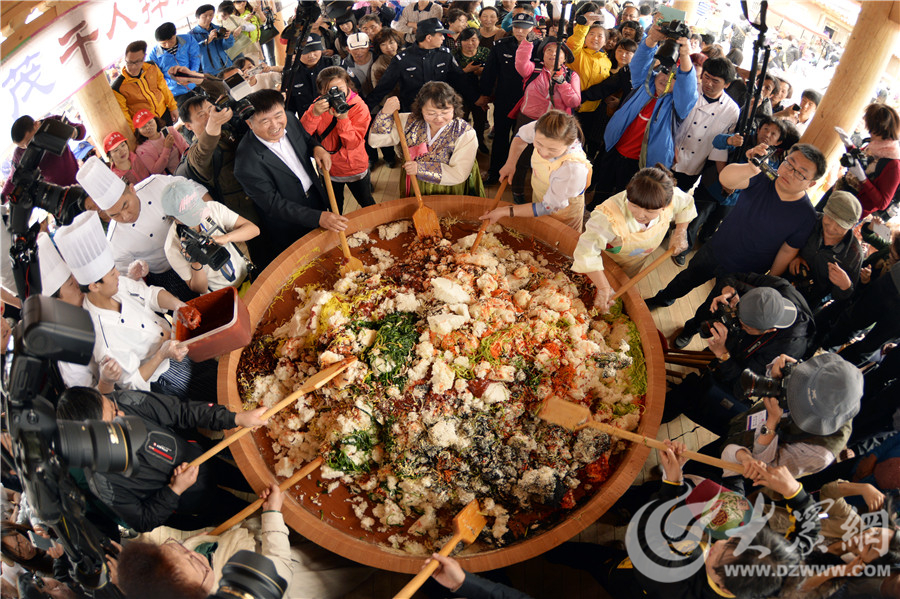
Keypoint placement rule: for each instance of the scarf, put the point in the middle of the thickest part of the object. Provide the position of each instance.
(884, 148)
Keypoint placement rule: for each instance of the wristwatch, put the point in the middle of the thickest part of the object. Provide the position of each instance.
(765, 430)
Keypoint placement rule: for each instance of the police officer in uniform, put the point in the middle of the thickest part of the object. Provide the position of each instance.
(424, 61)
(312, 62)
(502, 81)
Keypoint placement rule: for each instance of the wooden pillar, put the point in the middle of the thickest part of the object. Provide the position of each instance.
(865, 59)
(101, 113)
(690, 10)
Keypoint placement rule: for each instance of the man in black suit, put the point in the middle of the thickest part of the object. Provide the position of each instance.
(273, 166)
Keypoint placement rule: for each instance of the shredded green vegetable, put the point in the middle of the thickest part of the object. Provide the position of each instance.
(637, 373)
(394, 342)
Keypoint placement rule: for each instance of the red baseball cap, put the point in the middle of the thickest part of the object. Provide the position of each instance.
(112, 141)
(141, 118)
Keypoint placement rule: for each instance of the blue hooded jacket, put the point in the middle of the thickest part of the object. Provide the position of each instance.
(187, 55)
(213, 58)
(661, 143)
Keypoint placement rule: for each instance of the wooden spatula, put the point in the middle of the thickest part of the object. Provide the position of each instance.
(484, 224)
(467, 525)
(350, 264)
(576, 417)
(311, 384)
(425, 219)
(284, 486)
(650, 268)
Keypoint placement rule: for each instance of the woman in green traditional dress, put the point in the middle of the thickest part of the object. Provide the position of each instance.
(442, 145)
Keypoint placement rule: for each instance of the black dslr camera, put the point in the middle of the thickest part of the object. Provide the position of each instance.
(724, 314)
(667, 54)
(757, 385)
(249, 575)
(853, 153)
(337, 100)
(200, 247)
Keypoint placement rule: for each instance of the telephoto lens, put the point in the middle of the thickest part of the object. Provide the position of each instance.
(102, 446)
(757, 385)
(250, 575)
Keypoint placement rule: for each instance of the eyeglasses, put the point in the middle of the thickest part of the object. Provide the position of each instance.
(197, 561)
(796, 171)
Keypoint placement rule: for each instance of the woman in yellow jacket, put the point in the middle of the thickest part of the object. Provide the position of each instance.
(560, 170)
(591, 63)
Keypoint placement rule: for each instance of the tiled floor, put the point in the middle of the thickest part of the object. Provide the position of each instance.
(538, 577)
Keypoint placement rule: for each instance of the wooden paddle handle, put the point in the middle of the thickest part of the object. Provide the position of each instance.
(284, 486)
(633, 281)
(413, 585)
(334, 208)
(636, 438)
(484, 224)
(402, 135)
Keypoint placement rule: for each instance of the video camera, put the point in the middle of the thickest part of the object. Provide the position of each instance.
(724, 314)
(202, 248)
(31, 191)
(853, 154)
(44, 448)
(757, 385)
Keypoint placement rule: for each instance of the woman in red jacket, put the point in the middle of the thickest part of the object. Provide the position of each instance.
(343, 135)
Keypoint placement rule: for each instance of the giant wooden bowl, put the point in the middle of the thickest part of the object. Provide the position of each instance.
(322, 524)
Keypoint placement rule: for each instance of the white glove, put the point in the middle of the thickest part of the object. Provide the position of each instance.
(138, 269)
(857, 171)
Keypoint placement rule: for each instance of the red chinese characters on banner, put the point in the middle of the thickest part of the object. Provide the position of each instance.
(149, 6)
(117, 14)
(79, 42)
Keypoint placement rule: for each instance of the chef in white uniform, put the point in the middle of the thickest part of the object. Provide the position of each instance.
(57, 282)
(138, 227)
(127, 327)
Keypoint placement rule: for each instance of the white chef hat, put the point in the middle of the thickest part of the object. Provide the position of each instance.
(104, 187)
(84, 247)
(54, 271)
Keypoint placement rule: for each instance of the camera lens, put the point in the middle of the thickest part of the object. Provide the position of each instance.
(102, 446)
(250, 574)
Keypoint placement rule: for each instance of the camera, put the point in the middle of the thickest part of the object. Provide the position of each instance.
(675, 29)
(724, 314)
(667, 55)
(248, 575)
(44, 448)
(804, 281)
(337, 100)
(30, 191)
(853, 153)
(757, 385)
(762, 163)
(200, 247)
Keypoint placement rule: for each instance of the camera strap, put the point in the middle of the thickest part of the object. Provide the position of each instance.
(321, 137)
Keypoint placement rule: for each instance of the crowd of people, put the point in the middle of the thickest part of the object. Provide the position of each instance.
(618, 125)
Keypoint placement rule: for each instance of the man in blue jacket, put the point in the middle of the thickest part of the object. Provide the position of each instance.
(177, 56)
(212, 40)
(642, 132)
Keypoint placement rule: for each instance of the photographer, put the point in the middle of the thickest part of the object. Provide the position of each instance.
(755, 319)
(190, 208)
(212, 40)
(197, 559)
(656, 103)
(162, 489)
(875, 182)
(210, 159)
(59, 170)
(828, 264)
(822, 395)
(802, 114)
(339, 120)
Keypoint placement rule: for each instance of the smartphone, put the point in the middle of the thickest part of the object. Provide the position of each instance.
(667, 14)
(165, 132)
(39, 541)
(882, 230)
(795, 108)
